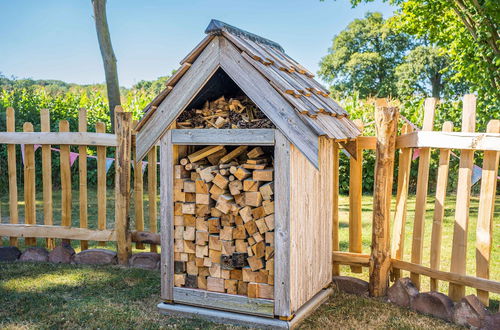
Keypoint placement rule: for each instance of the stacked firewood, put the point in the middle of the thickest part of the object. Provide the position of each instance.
(238, 112)
(224, 221)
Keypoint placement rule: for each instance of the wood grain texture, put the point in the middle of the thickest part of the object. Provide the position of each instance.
(437, 223)
(355, 199)
(185, 90)
(65, 164)
(152, 193)
(64, 232)
(138, 194)
(261, 137)
(451, 140)
(29, 184)
(11, 164)
(123, 131)
(421, 197)
(459, 245)
(484, 232)
(82, 176)
(282, 294)
(47, 176)
(398, 233)
(335, 205)
(227, 302)
(272, 104)
(101, 182)
(167, 159)
(311, 192)
(386, 124)
(61, 138)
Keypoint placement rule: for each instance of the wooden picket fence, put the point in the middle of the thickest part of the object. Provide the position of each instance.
(32, 228)
(467, 142)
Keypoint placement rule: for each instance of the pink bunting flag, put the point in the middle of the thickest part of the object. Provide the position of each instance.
(72, 157)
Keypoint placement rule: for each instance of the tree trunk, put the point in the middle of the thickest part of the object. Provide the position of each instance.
(436, 86)
(108, 56)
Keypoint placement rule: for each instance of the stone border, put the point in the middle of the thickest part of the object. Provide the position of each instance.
(65, 254)
(468, 312)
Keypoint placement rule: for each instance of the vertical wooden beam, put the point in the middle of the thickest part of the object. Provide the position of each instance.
(398, 233)
(138, 193)
(82, 174)
(282, 303)
(437, 223)
(335, 206)
(65, 180)
(152, 192)
(167, 216)
(355, 200)
(29, 184)
(101, 182)
(422, 185)
(484, 231)
(386, 124)
(459, 246)
(11, 163)
(122, 184)
(47, 176)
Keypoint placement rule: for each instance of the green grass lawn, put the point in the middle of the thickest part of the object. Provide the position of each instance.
(48, 296)
(44, 296)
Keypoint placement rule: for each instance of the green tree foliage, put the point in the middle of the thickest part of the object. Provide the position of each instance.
(364, 58)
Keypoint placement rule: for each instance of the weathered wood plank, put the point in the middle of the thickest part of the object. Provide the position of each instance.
(101, 181)
(459, 246)
(59, 138)
(29, 184)
(422, 185)
(167, 216)
(224, 301)
(11, 164)
(258, 89)
(282, 226)
(66, 202)
(355, 199)
(484, 232)
(398, 233)
(185, 90)
(349, 258)
(223, 136)
(335, 206)
(82, 175)
(64, 232)
(138, 195)
(437, 223)
(450, 140)
(152, 193)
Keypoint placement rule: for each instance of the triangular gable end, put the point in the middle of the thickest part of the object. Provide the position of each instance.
(221, 53)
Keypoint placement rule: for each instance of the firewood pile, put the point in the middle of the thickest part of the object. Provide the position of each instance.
(238, 112)
(224, 221)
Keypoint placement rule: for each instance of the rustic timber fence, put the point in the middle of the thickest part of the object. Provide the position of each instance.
(387, 253)
(121, 141)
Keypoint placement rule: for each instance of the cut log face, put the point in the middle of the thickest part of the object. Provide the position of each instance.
(224, 220)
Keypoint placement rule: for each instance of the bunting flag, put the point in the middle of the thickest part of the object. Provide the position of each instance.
(109, 162)
(477, 172)
(35, 146)
(72, 157)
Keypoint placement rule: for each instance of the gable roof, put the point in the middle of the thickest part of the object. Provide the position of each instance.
(284, 90)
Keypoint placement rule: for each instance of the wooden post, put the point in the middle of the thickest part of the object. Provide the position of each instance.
(484, 231)
(437, 223)
(398, 234)
(459, 246)
(82, 174)
(421, 198)
(65, 180)
(101, 182)
(47, 176)
(335, 206)
(386, 123)
(138, 194)
(11, 160)
(122, 184)
(29, 184)
(355, 200)
(152, 192)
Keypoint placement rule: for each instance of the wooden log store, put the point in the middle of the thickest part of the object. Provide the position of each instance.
(248, 145)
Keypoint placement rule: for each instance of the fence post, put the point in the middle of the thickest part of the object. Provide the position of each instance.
(122, 184)
(386, 124)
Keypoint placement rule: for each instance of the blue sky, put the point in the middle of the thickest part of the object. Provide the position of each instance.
(56, 39)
